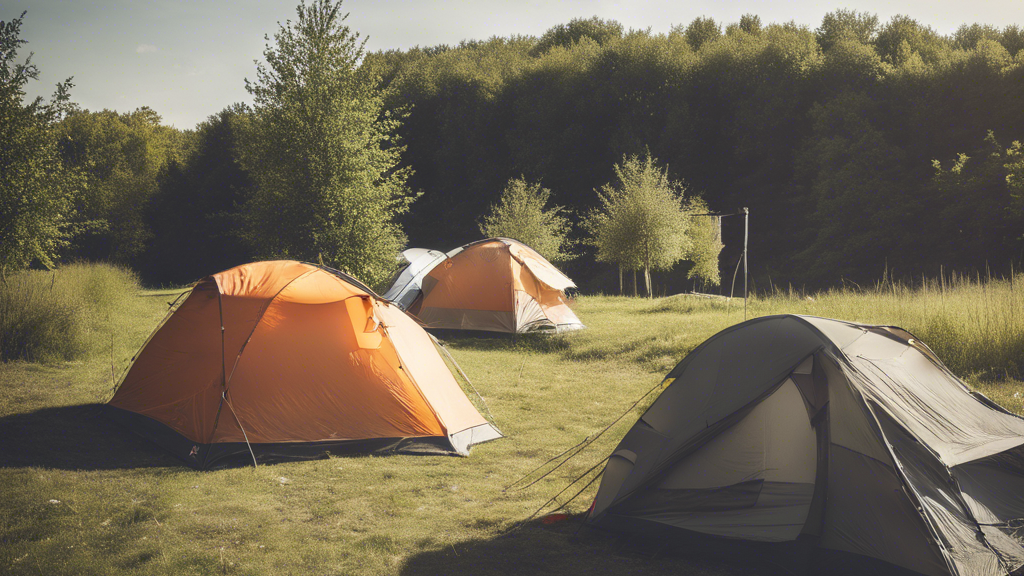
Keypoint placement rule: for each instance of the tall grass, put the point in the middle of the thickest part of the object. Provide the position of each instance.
(975, 325)
(65, 314)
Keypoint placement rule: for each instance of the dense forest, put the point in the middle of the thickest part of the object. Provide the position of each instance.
(861, 147)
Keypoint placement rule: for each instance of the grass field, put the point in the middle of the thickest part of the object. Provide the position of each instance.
(82, 496)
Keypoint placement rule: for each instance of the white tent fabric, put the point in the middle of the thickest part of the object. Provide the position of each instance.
(854, 435)
(407, 284)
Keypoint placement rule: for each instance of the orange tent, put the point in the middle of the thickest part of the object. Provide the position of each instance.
(494, 285)
(282, 360)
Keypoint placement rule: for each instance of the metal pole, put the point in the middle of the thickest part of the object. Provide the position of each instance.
(746, 233)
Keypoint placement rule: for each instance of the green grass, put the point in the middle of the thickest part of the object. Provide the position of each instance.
(124, 507)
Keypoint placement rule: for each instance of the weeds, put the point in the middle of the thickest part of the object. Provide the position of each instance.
(64, 314)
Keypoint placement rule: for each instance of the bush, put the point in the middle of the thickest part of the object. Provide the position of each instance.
(65, 314)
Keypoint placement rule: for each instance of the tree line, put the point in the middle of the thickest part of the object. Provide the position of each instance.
(858, 146)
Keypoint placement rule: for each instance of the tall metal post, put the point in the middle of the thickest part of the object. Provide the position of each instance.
(746, 233)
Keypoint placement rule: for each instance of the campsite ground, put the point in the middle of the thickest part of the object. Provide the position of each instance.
(81, 496)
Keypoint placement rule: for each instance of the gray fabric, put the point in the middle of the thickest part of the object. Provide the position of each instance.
(731, 369)
(851, 425)
(840, 333)
(407, 285)
(615, 472)
(463, 441)
(867, 513)
(926, 476)
(753, 510)
(936, 408)
(774, 442)
(993, 490)
(994, 487)
(529, 315)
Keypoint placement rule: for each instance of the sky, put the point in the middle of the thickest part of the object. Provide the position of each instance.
(189, 59)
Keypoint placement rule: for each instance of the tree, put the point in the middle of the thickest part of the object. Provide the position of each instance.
(967, 37)
(598, 30)
(121, 155)
(641, 222)
(902, 36)
(36, 191)
(971, 198)
(1012, 39)
(194, 213)
(860, 27)
(322, 153)
(700, 32)
(520, 215)
(750, 23)
(705, 244)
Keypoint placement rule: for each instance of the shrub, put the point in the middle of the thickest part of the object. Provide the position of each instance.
(64, 314)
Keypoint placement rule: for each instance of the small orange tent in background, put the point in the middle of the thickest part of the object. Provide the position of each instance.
(493, 285)
(286, 360)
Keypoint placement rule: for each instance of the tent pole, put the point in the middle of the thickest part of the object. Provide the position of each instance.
(746, 233)
(224, 398)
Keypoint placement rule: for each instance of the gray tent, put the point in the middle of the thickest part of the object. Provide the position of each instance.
(854, 436)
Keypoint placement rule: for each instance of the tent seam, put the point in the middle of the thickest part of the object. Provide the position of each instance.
(263, 310)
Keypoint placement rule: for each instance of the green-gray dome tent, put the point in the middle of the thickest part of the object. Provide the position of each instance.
(855, 436)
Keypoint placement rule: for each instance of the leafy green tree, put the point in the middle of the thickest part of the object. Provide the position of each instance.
(971, 199)
(641, 222)
(700, 32)
(598, 30)
(967, 36)
(842, 24)
(705, 246)
(903, 36)
(121, 155)
(1012, 38)
(194, 215)
(322, 151)
(520, 214)
(859, 205)
(37, 191)
(750, 23)
(1015, 173)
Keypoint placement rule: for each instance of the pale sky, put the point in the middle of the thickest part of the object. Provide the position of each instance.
(188, 59)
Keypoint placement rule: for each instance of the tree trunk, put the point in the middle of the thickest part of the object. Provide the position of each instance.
(647, 279)
(620, 279)
(634, 283)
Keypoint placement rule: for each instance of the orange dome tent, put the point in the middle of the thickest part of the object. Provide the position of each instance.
(493, 285)
(286, 360)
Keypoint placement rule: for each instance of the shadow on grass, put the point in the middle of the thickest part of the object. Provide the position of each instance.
(74, 438)
(566, 550)
(486, 341)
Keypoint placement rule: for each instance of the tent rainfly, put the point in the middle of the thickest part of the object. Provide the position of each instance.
(288, 360)
(854, 436)
(494, 285)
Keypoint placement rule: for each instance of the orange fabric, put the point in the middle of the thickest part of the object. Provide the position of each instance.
(306, 359)
(543, 270)
(186, 351)
(478, 278)
(490, 276)
(423, 363)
